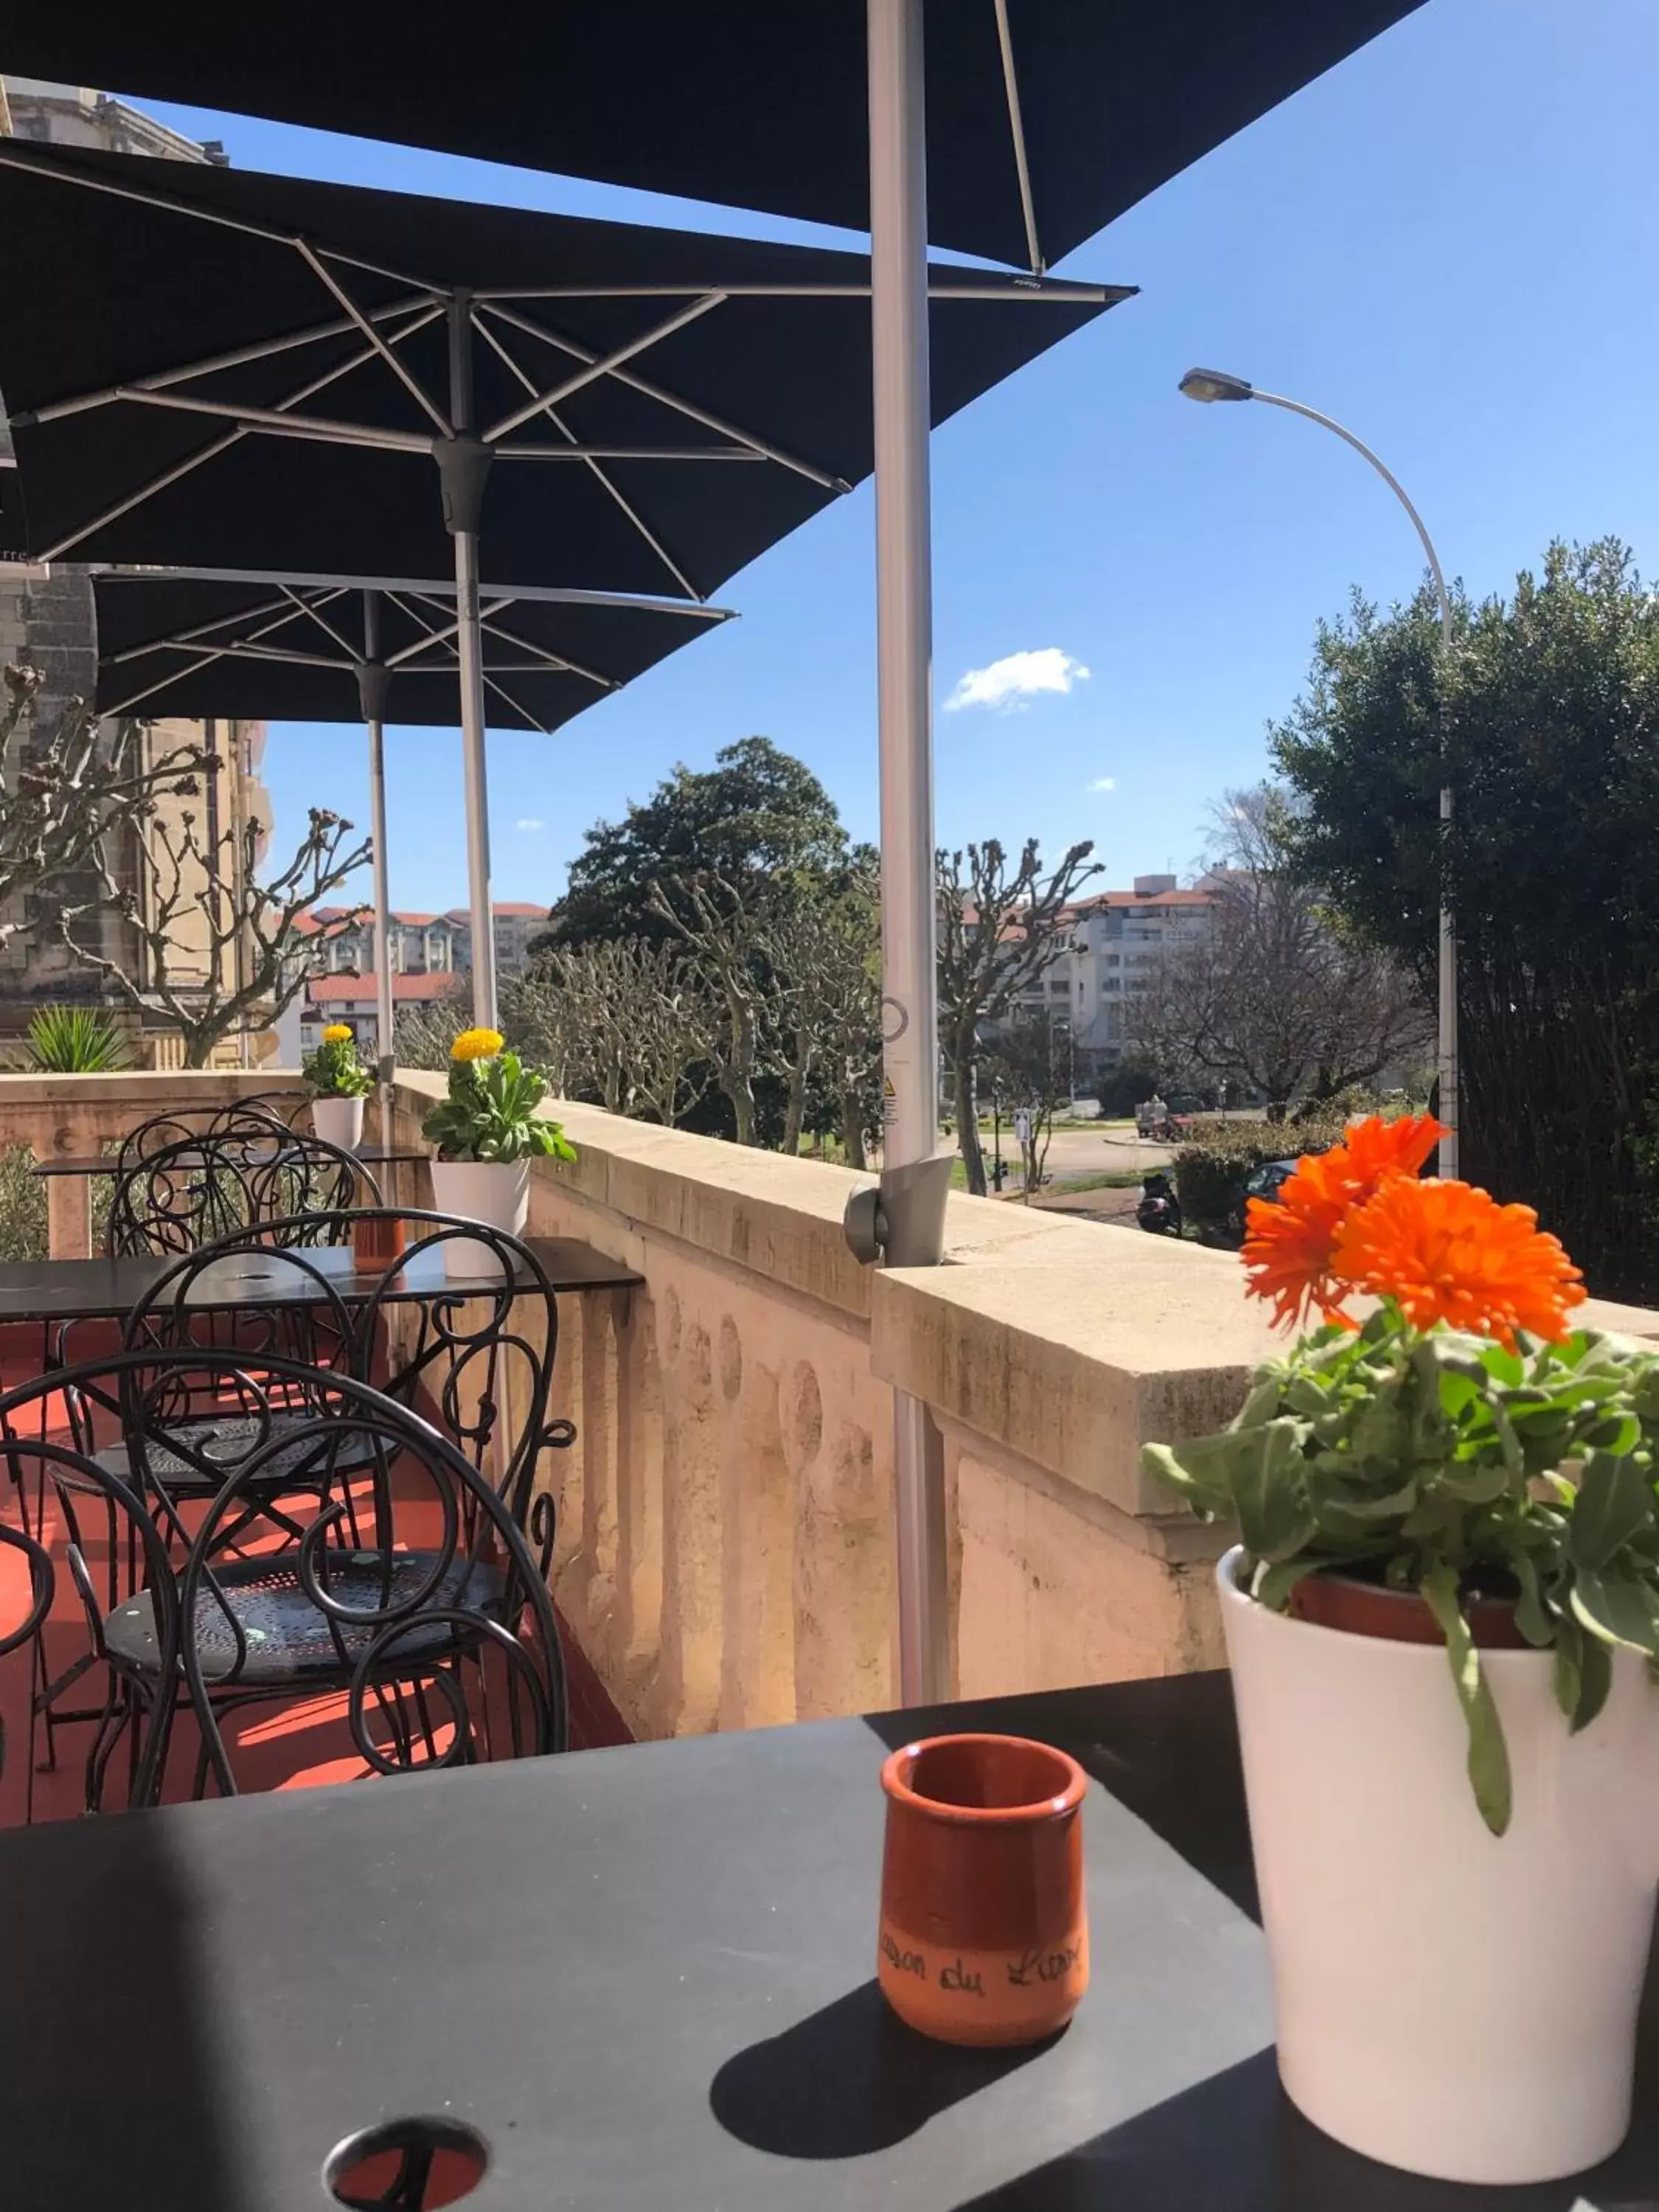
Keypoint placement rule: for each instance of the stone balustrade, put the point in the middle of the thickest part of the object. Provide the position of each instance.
(725, 1554)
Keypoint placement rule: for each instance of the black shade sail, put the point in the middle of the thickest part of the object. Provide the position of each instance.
(289, 648)
(211, 368)
(751, 103)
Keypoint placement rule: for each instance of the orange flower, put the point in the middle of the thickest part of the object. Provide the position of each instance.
(1447, 1252)
(1291, 1241)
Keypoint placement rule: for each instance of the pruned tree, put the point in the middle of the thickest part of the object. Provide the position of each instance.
(216, 943)
(1277, 994)
(64, 797)
(1032, 1066)
(722, 926)
(421, 1034)
(628, 1021)
(1001, 924)
(821, 937)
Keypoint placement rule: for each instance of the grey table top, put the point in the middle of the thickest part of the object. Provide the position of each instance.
(646, 1977)
(106, 1289)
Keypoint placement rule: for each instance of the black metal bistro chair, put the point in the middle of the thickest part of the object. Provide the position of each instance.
(220, 1181)
(442, 1642)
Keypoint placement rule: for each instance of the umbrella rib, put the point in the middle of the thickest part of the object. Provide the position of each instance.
(603, 365)
(312, 612)
(135, 698)
(1017, 126)
(212, 450)
(400, 369)
(666, 398)
(499, 348)
(431, 637)
(517, 706)
(557, 661)
(170, 204)
(271, 418)
(178, 639)
(237, 357)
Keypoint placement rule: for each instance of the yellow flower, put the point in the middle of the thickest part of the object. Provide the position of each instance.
(338, 1033)
(477, 1044)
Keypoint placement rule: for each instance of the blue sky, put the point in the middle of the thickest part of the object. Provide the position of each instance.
(1448, 243)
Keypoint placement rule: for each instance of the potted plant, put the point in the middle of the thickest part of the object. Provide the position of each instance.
(487, 1131)
(339, 1084)
(1442, 1618)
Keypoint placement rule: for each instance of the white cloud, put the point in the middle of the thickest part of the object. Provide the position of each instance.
(1010, 682)
(530, 821)
(1104, 783)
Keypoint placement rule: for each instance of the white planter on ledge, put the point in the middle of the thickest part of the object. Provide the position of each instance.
(338, 1122)
(1460, 2004)
(496, 1192)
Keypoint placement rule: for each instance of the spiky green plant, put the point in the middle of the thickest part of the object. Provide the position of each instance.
(75, 1041)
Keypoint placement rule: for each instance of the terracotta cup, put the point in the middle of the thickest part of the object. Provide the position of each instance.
(984, 1938)
(377, 1241)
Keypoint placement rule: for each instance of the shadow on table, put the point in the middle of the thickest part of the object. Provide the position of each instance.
(1235, 2143)
(111, 2093)
(849, 2079)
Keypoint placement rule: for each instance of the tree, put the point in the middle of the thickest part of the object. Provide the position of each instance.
(757, 813)
(820, 939)
(722, 923)
(1000, 927)
(1549, 716)
(64, 798)
(216, 943)
(1277, 994)
(1032, 1068)
(627, 1024)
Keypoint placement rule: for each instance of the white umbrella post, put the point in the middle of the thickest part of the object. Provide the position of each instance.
(373, 678)
(463, 464)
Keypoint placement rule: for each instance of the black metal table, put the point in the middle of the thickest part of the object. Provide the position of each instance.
(645, 1977)
(55, 1291)
(91, 1164)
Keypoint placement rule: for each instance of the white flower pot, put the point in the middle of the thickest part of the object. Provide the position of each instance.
(338, 1122)
(493, 1191)
(1460, 2004)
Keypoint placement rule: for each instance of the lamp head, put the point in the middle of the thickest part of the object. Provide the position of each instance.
(1207, 383)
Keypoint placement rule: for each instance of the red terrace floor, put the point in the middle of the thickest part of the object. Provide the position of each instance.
(301, 1745)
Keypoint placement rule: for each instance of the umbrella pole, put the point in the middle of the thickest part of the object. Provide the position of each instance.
(373, 681)
(898, 276)
(463, 466)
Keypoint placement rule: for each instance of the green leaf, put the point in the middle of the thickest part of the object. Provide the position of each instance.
(1614, 1503)
(1595, 1681)
(1270, 1492)
(1488, 1759)
(1618, 1609)
(1531, 1615)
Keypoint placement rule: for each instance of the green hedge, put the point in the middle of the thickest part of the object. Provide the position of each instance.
(22, 1206)
(1210, 1171)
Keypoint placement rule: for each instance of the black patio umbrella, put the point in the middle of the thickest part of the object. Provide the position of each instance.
(222, 369)
(319, 649)
(1046, 119)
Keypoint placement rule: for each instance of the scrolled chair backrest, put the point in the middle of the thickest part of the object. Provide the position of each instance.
(479, 1360)
(218, 1184)
(461, 1613)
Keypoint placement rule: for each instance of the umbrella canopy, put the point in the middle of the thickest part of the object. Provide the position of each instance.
(1046, 119)
(225, 369)
(290, 649)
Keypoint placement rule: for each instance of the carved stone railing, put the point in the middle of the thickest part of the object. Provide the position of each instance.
(725, 1519)
(725, 1553)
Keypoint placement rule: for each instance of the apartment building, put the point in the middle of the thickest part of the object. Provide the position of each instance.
(1114, 938)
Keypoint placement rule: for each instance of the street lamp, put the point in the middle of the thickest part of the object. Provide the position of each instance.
(1210, 385)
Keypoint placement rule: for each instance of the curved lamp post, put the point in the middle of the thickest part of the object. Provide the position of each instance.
(1212, 384)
